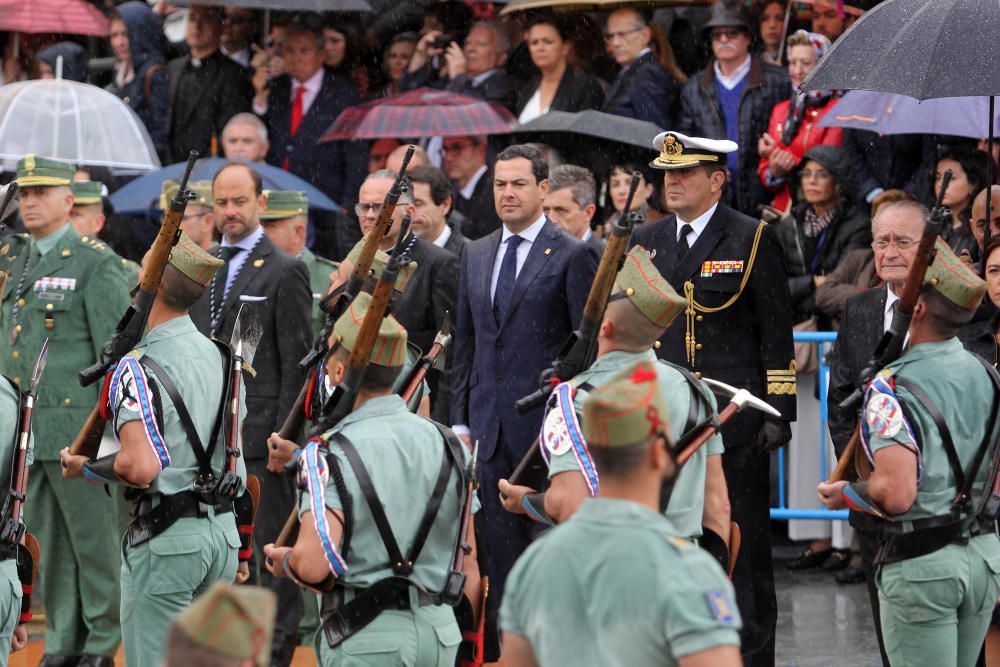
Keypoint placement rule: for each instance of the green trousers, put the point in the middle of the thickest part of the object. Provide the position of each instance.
(76, 526)
(10, 606)
(160, 577)
(425, 637)
(936, 608)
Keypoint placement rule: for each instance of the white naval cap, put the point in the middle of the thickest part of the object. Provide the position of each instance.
(679, 151)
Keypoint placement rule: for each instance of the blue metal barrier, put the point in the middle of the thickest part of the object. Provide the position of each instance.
(782, 511)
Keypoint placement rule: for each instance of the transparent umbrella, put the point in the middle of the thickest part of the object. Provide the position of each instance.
(75, 122)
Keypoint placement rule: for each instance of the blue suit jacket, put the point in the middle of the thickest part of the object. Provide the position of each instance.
(644, 91)
(494, 366)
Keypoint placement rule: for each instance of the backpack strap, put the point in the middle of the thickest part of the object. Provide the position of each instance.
(147, 84)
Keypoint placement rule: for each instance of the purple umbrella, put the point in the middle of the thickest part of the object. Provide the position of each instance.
(887, 113)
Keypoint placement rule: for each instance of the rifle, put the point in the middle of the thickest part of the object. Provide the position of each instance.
(890, 347)
(13, 517)
(335, 303)
(419, 371)
(132, 326)
(455, 582)
(579, 351)
(341, 402)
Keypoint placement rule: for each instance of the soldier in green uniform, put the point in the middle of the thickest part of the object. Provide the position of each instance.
(380, 457)
(88, 219)
(73, 292)
(613, 585)
(166, 393)
(285, 219)
(199, 220)
(641, 307)
(929, 426)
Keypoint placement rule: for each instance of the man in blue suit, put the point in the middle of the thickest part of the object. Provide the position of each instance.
(299, 107)
(521, 293)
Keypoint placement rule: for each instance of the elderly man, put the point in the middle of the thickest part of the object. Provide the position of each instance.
(979, 215)
(245, 138)
(571, 202)
(642, 89)
(897, 229)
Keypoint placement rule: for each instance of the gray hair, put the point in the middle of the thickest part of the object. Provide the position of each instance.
(406, 196)
(914, 207)
(578, 179)
(247, 118)
(503, 43)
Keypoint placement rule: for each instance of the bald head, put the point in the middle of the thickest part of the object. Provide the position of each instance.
(395, 160)
(979, 215)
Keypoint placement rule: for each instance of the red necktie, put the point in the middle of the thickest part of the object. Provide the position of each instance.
(296, 116)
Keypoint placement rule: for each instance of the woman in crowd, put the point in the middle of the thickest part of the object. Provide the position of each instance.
(342, 54)
(968, 169)
(395, 58)
(646, 195)
(558, 86)
(770, 20)
(793, 129)
(140, 75)
(74, 62)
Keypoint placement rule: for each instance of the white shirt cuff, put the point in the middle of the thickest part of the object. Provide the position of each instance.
(461, 429)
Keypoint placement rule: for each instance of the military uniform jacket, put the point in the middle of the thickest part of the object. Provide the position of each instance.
(687, 502)
(194, 364)
(319, 269)
(612, 586)
(747, 344)
(73, 294)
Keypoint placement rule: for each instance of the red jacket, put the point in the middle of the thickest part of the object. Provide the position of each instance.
(809, 135)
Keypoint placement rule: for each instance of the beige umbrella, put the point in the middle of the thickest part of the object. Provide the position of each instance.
(595, 5)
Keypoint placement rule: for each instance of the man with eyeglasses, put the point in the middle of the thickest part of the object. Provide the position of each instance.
(642, 89)
(896, 230)
(238, 28)
(732, 98)
(465, 163)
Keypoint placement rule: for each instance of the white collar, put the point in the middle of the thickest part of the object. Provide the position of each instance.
(890, 298)
(699, 223)
(529, 234)
(482, 76)
(470, 187)
(441, 240)
(312, 84)
(247, 242)
(636, 59)
(733, 79)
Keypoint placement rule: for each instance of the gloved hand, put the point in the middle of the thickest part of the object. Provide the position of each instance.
(774, 434)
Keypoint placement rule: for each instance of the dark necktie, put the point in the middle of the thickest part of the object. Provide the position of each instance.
(226, 253)
(682, 242)
(505, 280)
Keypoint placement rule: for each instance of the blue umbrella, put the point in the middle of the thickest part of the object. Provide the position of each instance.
(888, 113)
(142, 195)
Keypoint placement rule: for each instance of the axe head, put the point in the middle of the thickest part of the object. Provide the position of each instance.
(740, 397)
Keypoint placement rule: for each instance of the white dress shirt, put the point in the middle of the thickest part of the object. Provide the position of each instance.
(470, 187)
(733, 80)
(697, 225)
(245, 244)
(528, 237)
(890, 301)
(441, 240)
(311, 85)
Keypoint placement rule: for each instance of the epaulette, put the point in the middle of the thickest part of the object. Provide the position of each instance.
(7, 243)
(93, 242)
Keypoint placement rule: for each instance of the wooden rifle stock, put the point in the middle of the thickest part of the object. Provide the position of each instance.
(88, 440)
(297, 415)
(419, 371)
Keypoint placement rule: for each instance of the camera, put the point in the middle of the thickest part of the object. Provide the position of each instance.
(442, 42)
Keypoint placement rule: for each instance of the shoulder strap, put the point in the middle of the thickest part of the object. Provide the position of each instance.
(147, 86)
(692, 427)
(227, 367)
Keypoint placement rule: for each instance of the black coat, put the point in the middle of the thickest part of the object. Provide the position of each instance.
(645, 91)
(498, 88)
(576, 92)
(749, 344)
(456, 242)
(202, 100)
(978, 338)
(479, 211)
(901, 161)
(286, 316)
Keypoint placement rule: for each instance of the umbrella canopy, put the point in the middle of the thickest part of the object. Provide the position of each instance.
(423, 112)
(75, 122)
(886, 113)
(69, 17)
(143, 194)
(287, 5)
(918, 48)
(595, 5)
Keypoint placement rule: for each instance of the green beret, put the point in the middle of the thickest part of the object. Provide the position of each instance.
(34, 171)
(235, 622)
(627, 409)
(378, 264)
(390, 346)
(283, 204)
(87, 193)
(189, 258)
(643, 285)
(954, 279)
(202, 193)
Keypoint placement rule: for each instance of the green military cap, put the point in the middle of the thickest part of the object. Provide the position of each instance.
(379, 262)
(86, 193)
(188, 257)
(282, 204)
(642, 284)
(234, 622)
(390, 346)
(954, 279)
(626, 410)
(34, 171)
(202, 193)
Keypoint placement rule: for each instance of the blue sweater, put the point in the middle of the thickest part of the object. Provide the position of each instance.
(730, 102)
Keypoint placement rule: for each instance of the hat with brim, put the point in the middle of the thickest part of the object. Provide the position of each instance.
(34, 171)
(728, 15)
(284, 204)
(232, 622)
(88, 193)
(644, 286)
(202, 193)
(679, 151)
(389, 349)
(954, 279)
(190, 259)
(626, 410)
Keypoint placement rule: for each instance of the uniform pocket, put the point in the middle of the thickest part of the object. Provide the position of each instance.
(376, 649)
(175, 564)
(926, 588)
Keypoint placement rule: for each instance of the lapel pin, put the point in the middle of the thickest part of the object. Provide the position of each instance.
(548, 251)
(65, 252)
(258, 263)
(651, 253)
(5, 249)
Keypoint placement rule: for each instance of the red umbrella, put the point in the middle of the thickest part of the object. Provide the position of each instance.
(421, 113)
(69, 17)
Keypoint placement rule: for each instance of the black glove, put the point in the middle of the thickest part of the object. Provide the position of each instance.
(773, 435)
